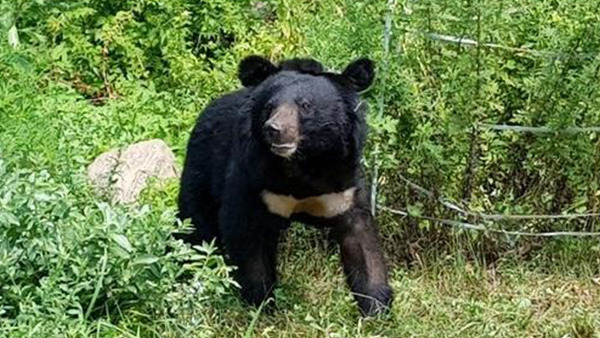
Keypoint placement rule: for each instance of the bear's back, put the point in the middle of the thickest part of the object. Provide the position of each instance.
(211, 141)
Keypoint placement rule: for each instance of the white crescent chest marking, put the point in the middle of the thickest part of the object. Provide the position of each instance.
(326, 205)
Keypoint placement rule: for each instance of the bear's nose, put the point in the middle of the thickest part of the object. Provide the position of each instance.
(272, 130)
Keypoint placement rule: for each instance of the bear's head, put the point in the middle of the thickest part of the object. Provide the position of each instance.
(301, 111)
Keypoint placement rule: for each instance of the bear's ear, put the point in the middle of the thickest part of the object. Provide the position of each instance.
(360, 73)
(255, 69)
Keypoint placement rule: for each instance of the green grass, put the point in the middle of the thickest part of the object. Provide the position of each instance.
(446, 299)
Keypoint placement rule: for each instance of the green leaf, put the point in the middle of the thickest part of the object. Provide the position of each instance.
(122, 241)
(73, 312)
(414, 210)
(42, 197)
(9, 218)
(6, 19)
(13, 36)
(146, 260)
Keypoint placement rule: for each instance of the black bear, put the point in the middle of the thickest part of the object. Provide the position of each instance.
(285, 148)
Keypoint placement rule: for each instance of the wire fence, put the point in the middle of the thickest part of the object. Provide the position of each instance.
(470, 42)
(481, 227)
(539, 130)
(479, 221)
(489, 217)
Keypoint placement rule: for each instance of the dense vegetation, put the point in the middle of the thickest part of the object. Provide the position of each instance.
(81, 77)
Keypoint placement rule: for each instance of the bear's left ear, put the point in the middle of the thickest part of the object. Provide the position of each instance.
(360, 73)
(255, 69)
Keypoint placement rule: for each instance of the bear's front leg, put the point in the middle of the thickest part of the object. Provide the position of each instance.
(363, 261)
(250, 236)
(256, 267)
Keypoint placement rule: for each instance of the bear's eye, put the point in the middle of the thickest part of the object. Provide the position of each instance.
(306, 107)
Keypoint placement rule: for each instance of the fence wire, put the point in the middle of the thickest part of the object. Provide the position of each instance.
(490, 217)
(487, 216)
(539, 130)
(470, 42)
(481, 227)
(387, 35)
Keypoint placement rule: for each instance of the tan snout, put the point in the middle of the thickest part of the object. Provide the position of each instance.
(282, 130)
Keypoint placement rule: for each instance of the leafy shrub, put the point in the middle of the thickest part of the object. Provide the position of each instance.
(65, 257)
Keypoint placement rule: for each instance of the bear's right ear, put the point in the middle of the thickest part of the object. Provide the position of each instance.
(255, 69)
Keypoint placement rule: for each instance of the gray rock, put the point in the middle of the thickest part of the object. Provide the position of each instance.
(123, 173)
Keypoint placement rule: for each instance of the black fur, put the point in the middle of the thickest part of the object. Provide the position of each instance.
(228, 164)
(307, 66)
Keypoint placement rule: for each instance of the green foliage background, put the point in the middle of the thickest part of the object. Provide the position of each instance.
(81, 77)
